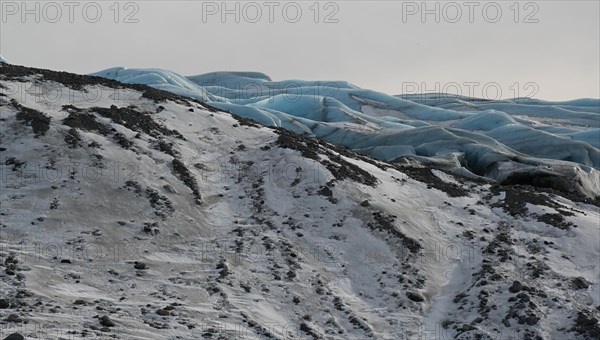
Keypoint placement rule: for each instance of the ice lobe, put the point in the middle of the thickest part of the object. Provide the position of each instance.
(553, 144)
(160, 79)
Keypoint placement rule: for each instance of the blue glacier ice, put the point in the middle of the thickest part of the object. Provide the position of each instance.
(499, 139)
(160, 79)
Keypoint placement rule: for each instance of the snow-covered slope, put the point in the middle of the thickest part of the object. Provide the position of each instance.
(506, 140)
(134, 213)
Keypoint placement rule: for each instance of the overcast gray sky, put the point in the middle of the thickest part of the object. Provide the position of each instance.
(548, 49)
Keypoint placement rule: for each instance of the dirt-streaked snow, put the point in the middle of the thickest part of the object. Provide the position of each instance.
(101, 233)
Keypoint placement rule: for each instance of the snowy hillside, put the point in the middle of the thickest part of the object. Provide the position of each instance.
(550, 144)
(133, 213)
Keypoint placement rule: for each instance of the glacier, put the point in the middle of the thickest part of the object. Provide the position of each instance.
(522, 140)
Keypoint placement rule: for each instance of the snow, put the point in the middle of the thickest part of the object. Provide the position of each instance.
(263, 217)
